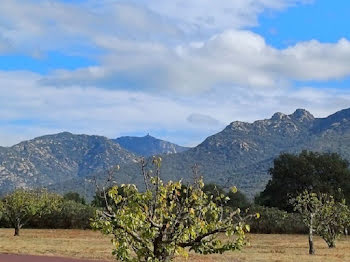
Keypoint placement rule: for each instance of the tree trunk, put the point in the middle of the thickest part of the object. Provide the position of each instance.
(17, 228)
(311, 230)
(331, 244)
(311, 245)
(163, 256)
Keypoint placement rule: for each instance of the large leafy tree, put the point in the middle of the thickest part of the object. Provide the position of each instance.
(315, 172)
(168, 219)
(21, 206)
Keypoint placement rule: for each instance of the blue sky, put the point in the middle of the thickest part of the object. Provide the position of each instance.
(180, 70)
(324, 20)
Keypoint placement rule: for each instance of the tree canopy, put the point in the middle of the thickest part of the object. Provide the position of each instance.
(315, 172)
(168, 219)
(21, 206)
(323, 215)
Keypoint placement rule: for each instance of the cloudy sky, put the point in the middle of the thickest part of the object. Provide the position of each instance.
(178, 69)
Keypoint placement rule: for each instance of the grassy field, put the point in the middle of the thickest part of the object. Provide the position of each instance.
(92, 245)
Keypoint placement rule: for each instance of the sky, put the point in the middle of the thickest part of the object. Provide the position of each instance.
(180, 70)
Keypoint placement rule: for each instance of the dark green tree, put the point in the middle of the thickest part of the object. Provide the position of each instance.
(74, 197)
(316, 172)
(236, 199)
(74, 215)
(275, 221)
(70, 214)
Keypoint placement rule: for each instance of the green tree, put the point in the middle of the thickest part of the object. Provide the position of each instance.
(323, 215)
(74, 197)
(73, 215)
(308, 205)
(70, 214)
(332, 220)
(236, 199)
(166, 219)
(98, 200)
(315, 172)
(21, 206)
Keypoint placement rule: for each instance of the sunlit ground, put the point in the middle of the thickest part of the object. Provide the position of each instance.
(93, 245)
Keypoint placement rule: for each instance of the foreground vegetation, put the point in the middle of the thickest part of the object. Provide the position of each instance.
(169, 219)
(173, 218)
(93, 245)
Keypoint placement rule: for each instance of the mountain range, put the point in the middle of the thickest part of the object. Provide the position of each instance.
(240, 155)
(148, 145)
(53, 159)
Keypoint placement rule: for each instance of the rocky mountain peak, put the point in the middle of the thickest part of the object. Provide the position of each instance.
(148, 145)
(302, 115)
(278, 116)
(238, 125)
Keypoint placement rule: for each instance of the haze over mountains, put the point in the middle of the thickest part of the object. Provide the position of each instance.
(239, 155)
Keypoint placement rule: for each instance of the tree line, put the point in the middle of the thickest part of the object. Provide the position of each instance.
(308, 193)
(42, 209)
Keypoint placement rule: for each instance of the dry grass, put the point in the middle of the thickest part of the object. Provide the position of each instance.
(282, 248)
(92, 245)
(65, 243)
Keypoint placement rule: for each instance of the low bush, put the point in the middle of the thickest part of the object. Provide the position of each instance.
(275, 221)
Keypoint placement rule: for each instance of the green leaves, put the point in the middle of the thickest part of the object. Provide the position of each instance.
(234, 190)
(166, 219)
(22, 205)
(316, 172)
(323, 214)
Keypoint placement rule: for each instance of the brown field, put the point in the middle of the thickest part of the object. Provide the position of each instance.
(92, 245)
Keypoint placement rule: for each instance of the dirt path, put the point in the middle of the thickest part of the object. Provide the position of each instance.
(25, 258)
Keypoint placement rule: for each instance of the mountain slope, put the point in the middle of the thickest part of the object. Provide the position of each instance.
(242, 153)
(148, 146)
(56, 158)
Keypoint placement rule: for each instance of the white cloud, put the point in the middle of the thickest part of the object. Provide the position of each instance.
(202, 120)
(228, 59)
(146, 50)
(46, 25)
(204, 15)
(143, 44)
(28, 109)
(316, 61)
